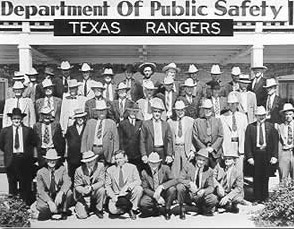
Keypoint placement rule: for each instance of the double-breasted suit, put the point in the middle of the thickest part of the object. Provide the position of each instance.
(260, 91)
(40, 103)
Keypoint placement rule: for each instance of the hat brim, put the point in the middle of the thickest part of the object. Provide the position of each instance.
(274, 85)
(197, 154)
(21, 115)
(206, 107)
(99, 109)
(91, 69)
(18, 88)
(282, 111)
(180, 108)
(234, 156)
(185, 85)
(55, 158)
(80, 115)
(260, 113)
(165, 68)
(89, 159)
(49, 73)
(154, 88)
(125, 88)
(187, 72)
(65, 68)
(107, 74)
(155, 161)
(261, 67)
(159, 108)
(244, 81)
(93, 87)
(52, 85)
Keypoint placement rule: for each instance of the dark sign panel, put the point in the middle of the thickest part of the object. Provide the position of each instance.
(143, 27)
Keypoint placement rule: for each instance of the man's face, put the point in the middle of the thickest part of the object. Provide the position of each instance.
(147, 72)
(73, 91)
(271, 90)
(153, 165)
(98, 92)
(243, 86)
(46, 118)
(156, 113)
(171, 72)
(289, 116)
(107, 78)
(207, 112)
(80, 121)
(101, 114)
(260, 118)
(128, 74)
(86, 75)
(215, 77)
(180, 113)
(149, 93)
(51, 163)
(133, 113)
(189, 90)
(66, 72)
(48, 91)
(16, 120)
(229, 161)
(215, 92)
(90, 164)
(194, 76)
(233, 106)
(122, 93)
(235, 77)
(168, 87)
(201, 161)
(257, 72)
(120, 159)
(18, 92)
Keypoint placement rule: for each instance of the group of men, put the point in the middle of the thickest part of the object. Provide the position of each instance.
(142, 146)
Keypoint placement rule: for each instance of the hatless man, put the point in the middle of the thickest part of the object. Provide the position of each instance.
(85, 88)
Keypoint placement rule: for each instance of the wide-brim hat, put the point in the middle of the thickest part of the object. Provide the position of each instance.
(18, 75)
(260, 110)
(179, 105)
(207, 104)
(149, 85)
(129, 68)
(192, 69)
(108, 72)
(18, 85)
(17, 112)
(203, 152)
(73, 83)
(49, 71)
(96, 84)
(232, 98)
(47, 83)
(51, 154)
(214, 85)
(32, 72)
(215, 70)
(65, 65)
(287, 107)
(157, 103)
(270, 83)
(259, 67)
(168, 80)
(146, 64)
(79, 113)
(133, 107)
(171, 66)
(154, 157)
(230, 154)
(189, 83)
(101, 105)
(85, 68)
(88, 156)
(236, 71)
(244, 79)
(122, 86)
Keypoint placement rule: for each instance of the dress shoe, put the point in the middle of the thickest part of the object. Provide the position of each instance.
(235, 209)
(167, 214)
(132, 215)
(182, 213)
(63, 216)
(99, 214)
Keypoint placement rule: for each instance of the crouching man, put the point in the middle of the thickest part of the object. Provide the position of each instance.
(123, 186)
(230, 187)
(159, 189)
(196, 185)
(89, 186)
(53, 188)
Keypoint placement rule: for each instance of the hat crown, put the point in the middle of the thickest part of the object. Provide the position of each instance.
(122, 85)
(232, 98)
(108, 71)
(16, 111)
(32, 71)
(88, 155)
(101, 105)
(46, 110)
(236, 71)
(85, 67)
(96, 84)
(288, 106)
(215, 69)
(192, 68)
(51, 154)
(65, 65)
(203, 152)
(207, 103)
(169, 66)
(168, 80)
(157, 103)
(73, 83)
(18, 74)
(189, 82)
(179, 105)
(18, 85)
(271, 82)
(260, 110)
(49, 70)
(47, 83)
(149, 84)
(154, 157)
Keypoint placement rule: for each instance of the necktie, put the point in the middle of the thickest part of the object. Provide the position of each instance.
(149, 107)
(99, 132)
(107, 91)
(234, 124)
(52, 190)
(225, 181)
(65, 86)
(268, 104)
(208, 126)
(16, 140)
(167, 101)
(17, 102)
(197, 182)
(121, 178)
(49, 102)
(216, 107)
(261, 140)
(155, 179)
(180, 128)
(46, 134)
(85, 88)
(121, 108)
(290, 135)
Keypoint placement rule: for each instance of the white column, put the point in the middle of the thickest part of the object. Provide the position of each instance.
(257, 48)
(24, 49)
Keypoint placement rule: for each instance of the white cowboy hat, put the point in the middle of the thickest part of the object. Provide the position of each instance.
(46, 110)
(51, 154)
(86, 68)
(287, 107)
(101, 105)
(192, 69)
(65, 65)
(168, 80)
(47, 83)
(179, 105)
(49, 71)
(258, 67)
(203, 152)
(73, 83)
(206, 104)
(88, 156)
(96, 84)
(244, 78)
(32, 72)
(18, 85)
(18, 75)
(108, 72)
(79, 113)
(122, 86)
(260, 111)
(236, 71)
(154, 157)
(189, 83)
(149, 85)
(171, 66)
(232, 98)
(270, 83)
(215, 69)
(230, 154)
(157, 103)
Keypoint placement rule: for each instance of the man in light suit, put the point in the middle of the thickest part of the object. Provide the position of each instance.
(89, 186)
(208, 134)
(247, 99)
(156, 135)
(101, 135)
(123, 186)
(54, 103)
(181, 128)
(25, 104)
(159, 189)
(70, 103)
(53, 188)
(18, 142)
(234, 126)
(85, 88)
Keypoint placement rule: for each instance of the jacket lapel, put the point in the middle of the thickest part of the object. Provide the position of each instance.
(150, 127)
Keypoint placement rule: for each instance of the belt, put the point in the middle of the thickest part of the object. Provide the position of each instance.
(98, 145)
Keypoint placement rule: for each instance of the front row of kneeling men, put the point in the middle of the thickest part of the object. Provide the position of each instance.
(120, 188)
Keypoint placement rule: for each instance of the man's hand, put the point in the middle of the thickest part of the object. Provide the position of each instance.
(220, 190)
(210, 149)
(52, 207)
(161, 201)
(273, 160)
(193, 187)
(88, 189)
(169, 159)
(157, 192)
(191, 156)
(224, 201)
(251, 161)
(58, 198)
(145, 159)
(114, 198)
(200, 192)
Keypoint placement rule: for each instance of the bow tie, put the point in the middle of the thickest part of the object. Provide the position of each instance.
(73, 97)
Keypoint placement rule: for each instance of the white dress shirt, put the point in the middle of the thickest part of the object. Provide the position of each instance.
(79, 129)
(169, 97)
(20, 137)
(109, 90)
(157, 126)
(243, 101)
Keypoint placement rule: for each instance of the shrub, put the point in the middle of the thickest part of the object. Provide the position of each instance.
(13, 212)
(279, 208)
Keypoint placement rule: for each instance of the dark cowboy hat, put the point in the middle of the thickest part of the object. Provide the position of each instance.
(129, 68)
(214, 86)
(16, 111)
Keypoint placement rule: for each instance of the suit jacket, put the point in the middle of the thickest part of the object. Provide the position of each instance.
(144, 116)
(62, 180)
(115, 109)
(110, 137)
(136, 91)
(162, 96)
(260, 91)
(131, 179)
(114, 94)
(26, 106)
(275, 116)
(90, 93)
(6, 144)
(83, 179)
(192, 109)
(129, 138)
(165, 177)
(147, 138)
(228, 88)
(187, 123)
(227, 123)
(57, 137)
(188, 174)
(251, 106)
(57, 107)
(59, 87)
(200, 136)
(91, 104)
(74, 141)
(223, 104)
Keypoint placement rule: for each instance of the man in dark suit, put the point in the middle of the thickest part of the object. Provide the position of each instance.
(129, 136)
(156, 135)
(257, 85)
(49, 136)
(18, 143)
(196, 185)
(233, 85)
(65, 68)
(261, 152)
(73, 139)
(159, 189)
